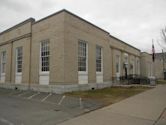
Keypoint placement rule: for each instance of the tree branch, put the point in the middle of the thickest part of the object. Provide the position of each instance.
(163, 35)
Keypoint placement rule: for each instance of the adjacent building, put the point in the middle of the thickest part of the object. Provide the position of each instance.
(147, 64)
(150, 68)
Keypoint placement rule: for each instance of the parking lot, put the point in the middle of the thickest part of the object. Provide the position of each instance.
(37, 108)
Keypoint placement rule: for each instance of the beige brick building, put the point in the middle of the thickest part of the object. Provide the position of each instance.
(160, 65)
(150, 68)
(64, 52)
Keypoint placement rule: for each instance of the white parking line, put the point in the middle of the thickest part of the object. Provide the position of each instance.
(11, 93)
(14, 92)
(30, 97)
(6, 121)
(46, 97)
(22, 94)
(60, 102)
(80, 101)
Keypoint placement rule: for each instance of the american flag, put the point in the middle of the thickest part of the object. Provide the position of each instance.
(153, 52)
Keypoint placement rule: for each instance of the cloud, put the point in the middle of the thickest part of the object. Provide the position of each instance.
(18, 6)
(136, 22)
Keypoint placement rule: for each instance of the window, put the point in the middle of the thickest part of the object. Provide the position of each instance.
(132, 66)
(98, 59)
(138, 66)
(149, 65)
(117, 63)
(3, 62)
(44, 56)
(126, 60)
(19, 56)
(82, 56)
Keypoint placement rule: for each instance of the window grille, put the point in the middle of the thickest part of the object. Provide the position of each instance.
(98, 59)
(82, 56)
(44, 55)
(3, 61)
(19, 57)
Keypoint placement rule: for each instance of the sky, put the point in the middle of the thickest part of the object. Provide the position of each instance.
(136, 22)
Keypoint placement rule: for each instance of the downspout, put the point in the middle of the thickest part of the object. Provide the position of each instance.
(29, 81)
(11, 67)
(112, 65)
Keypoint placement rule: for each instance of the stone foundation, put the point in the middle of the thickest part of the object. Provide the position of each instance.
(59, 89)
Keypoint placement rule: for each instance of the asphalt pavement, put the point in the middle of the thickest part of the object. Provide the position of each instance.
(36, 108)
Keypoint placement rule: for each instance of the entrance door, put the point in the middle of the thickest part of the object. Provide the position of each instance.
(125, 72)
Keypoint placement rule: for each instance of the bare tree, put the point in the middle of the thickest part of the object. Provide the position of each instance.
(163, 35)
(162, 41)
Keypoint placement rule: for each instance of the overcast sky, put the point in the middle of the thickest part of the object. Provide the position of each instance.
(136, 22)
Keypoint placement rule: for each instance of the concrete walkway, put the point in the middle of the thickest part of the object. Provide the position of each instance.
(143, 109)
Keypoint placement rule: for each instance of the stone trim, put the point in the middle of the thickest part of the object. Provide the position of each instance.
(113, 47)
(18, 38)
(59, 89)
(124, 42)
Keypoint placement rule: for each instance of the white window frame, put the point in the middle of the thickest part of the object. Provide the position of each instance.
(99, 72)
(149, 69)
(126, 61)
(83, 72)
(126, 57)
(118, 62)
(138, 66)
(40, 66)
(133, 69)
(3, 62)
(17, 60)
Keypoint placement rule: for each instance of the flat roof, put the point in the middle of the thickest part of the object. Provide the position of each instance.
(125, 43)
(64, 10)
(145, 53)
(17, 25)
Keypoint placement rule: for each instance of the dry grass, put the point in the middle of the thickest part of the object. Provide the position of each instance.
(109, 95)
(161, 81)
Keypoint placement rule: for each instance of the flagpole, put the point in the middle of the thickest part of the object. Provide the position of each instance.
(153, 63)
(153, 57)
(153, 52)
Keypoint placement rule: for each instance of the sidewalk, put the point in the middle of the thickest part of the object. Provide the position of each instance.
(142, 109)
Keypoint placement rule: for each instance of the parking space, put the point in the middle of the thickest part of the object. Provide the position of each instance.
(40, 96)
(36, 108)
(55, 98)
(27, 94)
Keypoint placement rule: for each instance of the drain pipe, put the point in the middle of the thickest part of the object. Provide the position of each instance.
(30, 49)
